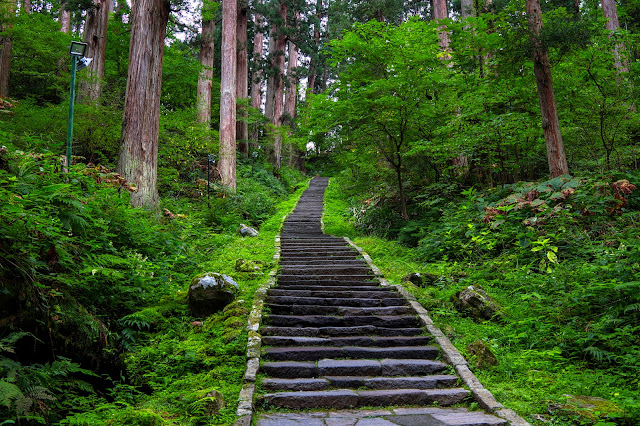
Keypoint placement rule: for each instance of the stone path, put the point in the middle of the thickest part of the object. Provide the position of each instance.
(337, 341)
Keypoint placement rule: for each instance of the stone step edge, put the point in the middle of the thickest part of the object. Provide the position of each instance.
(451, 355)
(244, 413)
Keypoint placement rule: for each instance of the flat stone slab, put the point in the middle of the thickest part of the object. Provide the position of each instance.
(410, 367)
(341, 398)
(352, 367)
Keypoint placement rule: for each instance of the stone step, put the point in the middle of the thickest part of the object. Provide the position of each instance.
(319, 301)
(351, 367)
(315, 353)
(348, 294)
(338, 310)
(326, 270)
(436, 381)
(321, 262)
(335, 285)
(339, 331)
(347, 398)
(387, 321)
(321, 279)
(320, 258)
(377, 341)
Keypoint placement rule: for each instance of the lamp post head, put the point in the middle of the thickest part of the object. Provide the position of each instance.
(77, 48)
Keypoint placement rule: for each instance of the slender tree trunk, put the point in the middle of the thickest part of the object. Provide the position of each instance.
(311, 82)
(227, 165)
(95, 35)
(256, 77)
(550, 123)
(467, 9)
(65, 19)
(242, 84)
(440, 12)
(403, 201)
(270, 96)
(26, 6)
(292, 92)
(138, 156)
(8, 9)
(278, 85)
(610, 13)
(205, 79)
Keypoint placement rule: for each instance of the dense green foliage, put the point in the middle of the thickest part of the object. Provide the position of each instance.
(562, 259)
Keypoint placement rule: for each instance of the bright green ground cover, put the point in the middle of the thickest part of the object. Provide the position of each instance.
(571, 321)
(104, 286)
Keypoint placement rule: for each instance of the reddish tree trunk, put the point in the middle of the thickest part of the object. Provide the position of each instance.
(26, 6)
(227, 165)
(440, 12)
(311, 82)
(269, 99)
(65, 20)
(610, 13)
(205, 79)
(242, 83)
(138, 156)
(6, 45)
(292, 92)
(550, 124)
(95, 35)
(256, 82)
(278, 84)
(467, 9)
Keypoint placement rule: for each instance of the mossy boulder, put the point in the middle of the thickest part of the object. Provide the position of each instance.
(586, 409)
(243, 265)
(210, 293)
(476, 303)
(247, 231)
(482, 355)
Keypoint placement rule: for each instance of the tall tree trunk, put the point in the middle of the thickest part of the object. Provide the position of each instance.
(440, 12)
(311, 81)
(26, 6)
(292, 92)
(95, 35)
(278, 85)
(270, 95)
(242, 82)
(138, 156)
(205, 78)
(227, 165)
(256, 82)
(8, 10)
(610, 13)
(467, 9)
(65, 19)
(550, 124)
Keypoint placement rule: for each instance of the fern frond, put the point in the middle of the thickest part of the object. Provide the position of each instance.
(9, 392)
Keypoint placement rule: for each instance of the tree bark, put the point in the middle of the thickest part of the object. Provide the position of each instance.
(440, 12)
(205, 78)
(550, 123)
(467, 9)
(26, 6)
(65, 20)
(311, 81)
(292, 92)
(138, 156)
(95, 35)
(612, 24)
(256, 77)
(242, 83)
(270, 95)
(278, 84)
(6, 45)
(227, 165)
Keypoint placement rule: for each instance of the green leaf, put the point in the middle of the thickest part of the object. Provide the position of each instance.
(552, 257)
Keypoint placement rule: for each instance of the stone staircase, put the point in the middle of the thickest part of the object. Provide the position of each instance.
(334, 339)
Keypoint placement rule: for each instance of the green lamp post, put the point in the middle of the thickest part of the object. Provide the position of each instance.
(78, 62)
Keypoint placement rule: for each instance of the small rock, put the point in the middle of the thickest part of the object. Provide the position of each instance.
(243, 265)
(420, 279)
(247, 231)
(211, 403)
(210, 293)
(482, 354)
(476, 303)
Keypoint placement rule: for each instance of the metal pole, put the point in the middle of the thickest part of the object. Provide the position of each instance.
(72, 95)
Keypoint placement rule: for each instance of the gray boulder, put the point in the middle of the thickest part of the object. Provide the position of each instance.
(476, 303)
(210, 293)
(247, 231)
(483, 357)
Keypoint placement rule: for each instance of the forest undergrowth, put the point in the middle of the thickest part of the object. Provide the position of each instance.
(95, 327)
(560, 257)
